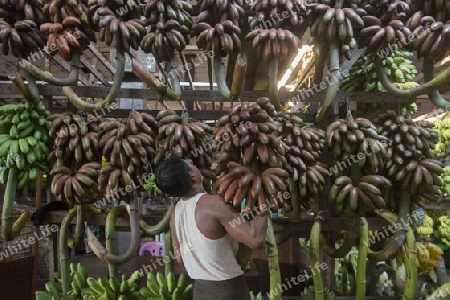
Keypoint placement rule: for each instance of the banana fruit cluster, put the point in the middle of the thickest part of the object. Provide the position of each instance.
(167, 287)
(438, 9)
(443, 129)
(217, 26)
(445, 178)
(425, 229)
(256, 297)
(53, 289)
(113, 289)
(23, 141)
(309, 294)
(365, 196)
(443, 229)
(129, 146)
(409, 161)
(303, 145)
(76, 185)
(170, 25)
(432, 37)
(65, 36)
(340, 23)
(20, 38)
(75, 141)
(240, 182)
(123, 30)
(426, 257)
(363, 77)
(354, 137)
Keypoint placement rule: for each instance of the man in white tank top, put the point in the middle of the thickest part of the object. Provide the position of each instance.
(201, 225)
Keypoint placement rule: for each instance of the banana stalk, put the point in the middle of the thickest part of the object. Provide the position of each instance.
(334, 85)
(349, 241)
(111, 258)
(10, 230)
(409, 257)
(219, 73)
(272, 259)
(344, 272)
(33, 89)
(64, 250)
(428, 88)
(314, 256)
(115, 88)
(273, 83)
(243, 255)
(48, 77)
(80, 228)
(161, 226)
(110, 232)
(400, 235)
(240, 68)
(362, 257)
(159, 87)
(428, 74)
(29, 92)
(168, 249)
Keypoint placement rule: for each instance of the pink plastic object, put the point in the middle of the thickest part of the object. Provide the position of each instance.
(155, 249)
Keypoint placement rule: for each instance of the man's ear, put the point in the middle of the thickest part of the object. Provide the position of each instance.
(192, 176)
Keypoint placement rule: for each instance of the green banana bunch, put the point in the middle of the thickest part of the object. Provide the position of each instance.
(256, 297)
(425, 228)
(445, 177)
(112, 289)
(167, 288)
(443, 229)
(23, 141)
(308, 294)
(53, 289)
(442, 126)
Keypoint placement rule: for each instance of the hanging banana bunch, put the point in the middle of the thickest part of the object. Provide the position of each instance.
(303, 148)
(410, 162)
(189, 139)
(119, 23)
(19, 32)
(129, 147)
(440, 10)
(357, 184)
(443, 128)
(169, 28)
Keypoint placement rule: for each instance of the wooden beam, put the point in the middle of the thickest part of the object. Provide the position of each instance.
(63, 64)
(97, 53)
(94, 71)
(205, 95)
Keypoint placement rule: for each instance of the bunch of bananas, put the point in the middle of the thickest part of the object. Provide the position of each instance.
(75, 140)
(262, 191)
(363, 77)
(438, 9)
(189, 139)
(276, 40)
(23, 141)
(303, 147)
(129, 147)
(20, 38)
(75, 185)
(30, 10)
(170, 24)
(64, 35)
(256, 297)
(53, 289)
(353, 137)
(431, 36)
(426, 257)
(445, 177)
(309, 294)
(409, 155)
(217, 28)
(340, 23)
(425, 229)
(366, 196)
(443, 229)
(112, 289)
(249, 130)
(119, 23)
(167, 288)
(443, 129)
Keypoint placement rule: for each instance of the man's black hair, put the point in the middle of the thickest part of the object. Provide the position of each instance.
(171, 176)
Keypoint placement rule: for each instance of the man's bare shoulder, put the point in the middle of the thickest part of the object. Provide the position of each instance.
(215, 203)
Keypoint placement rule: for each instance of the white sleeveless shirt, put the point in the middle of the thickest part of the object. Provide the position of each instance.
(203, 258)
